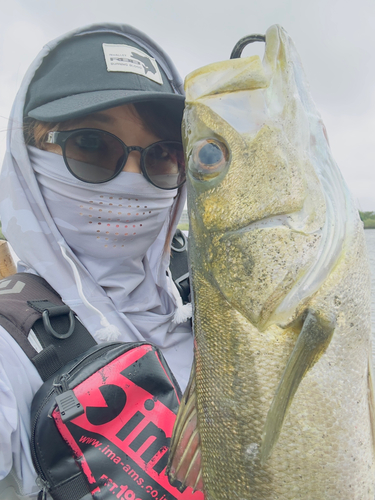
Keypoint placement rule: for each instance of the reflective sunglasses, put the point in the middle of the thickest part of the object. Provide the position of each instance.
(97, 156)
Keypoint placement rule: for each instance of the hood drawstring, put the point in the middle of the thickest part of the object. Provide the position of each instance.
(109, 332)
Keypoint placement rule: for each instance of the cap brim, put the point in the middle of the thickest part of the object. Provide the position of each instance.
(75, 106)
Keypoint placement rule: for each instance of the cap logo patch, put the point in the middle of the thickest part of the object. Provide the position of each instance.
(127, 59)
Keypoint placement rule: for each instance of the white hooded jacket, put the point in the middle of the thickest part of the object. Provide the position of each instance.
(32, 232)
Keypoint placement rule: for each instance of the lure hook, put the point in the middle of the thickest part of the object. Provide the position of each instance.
(241, 44)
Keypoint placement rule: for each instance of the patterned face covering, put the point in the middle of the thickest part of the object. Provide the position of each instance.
(119, 219)
(109, 227)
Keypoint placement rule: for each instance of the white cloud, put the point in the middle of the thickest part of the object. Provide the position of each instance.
(352, 143)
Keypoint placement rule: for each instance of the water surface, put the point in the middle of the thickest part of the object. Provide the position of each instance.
(370, 240)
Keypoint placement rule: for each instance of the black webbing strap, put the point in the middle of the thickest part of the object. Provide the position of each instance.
(27, 302)
(179, 265)
(61, 334)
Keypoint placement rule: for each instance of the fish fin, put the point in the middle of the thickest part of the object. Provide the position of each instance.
(313, 340)
(184, 463)
(371, 398)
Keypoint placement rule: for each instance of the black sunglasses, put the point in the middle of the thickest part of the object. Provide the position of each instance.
(97, 156)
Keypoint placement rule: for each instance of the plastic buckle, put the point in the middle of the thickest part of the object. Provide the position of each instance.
(58, 311)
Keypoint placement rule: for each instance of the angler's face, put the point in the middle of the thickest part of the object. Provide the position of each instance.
(122, 121)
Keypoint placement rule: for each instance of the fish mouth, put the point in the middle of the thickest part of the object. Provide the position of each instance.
(296, 221)
(299, 222)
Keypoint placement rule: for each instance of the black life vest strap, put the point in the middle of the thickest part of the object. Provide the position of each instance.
(49, 318)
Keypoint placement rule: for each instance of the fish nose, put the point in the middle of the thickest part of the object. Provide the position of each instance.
(133, 163)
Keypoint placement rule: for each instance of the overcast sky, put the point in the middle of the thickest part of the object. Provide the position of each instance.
(335, 38)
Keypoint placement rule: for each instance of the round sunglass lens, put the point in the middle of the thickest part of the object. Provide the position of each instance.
(94, 156)
(165, 165)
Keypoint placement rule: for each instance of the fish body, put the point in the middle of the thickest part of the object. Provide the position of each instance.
(280, 403)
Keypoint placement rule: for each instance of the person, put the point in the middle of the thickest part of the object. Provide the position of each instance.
(92, 188)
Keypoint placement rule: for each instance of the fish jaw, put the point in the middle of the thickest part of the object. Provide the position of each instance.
(262, 215)
(237, 74)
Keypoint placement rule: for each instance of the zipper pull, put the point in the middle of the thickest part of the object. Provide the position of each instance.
(42, 495)
(60, 383)
(66, 400)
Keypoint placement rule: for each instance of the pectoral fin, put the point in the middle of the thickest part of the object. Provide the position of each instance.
(312, 342)
(184, 464)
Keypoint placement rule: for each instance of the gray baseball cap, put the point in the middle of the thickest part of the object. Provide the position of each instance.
(93, 71)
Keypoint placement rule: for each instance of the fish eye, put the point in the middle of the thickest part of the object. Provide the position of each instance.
(209, 157)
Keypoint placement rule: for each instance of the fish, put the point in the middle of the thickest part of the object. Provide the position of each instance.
(280, 403)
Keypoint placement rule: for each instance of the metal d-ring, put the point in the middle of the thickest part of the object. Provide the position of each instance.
(241, 44)
(52, 331)
(184, 244)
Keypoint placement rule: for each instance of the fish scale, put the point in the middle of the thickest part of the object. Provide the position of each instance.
(303, 464)
(224, 400)
(281, 395)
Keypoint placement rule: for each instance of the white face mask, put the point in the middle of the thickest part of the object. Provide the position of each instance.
(109, 227)
(119, 219)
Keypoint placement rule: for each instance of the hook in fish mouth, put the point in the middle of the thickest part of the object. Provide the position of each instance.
(241, 44)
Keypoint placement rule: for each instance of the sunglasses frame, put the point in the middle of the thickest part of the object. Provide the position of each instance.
(61, 137)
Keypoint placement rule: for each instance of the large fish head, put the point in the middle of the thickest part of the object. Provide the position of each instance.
(258, 167)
